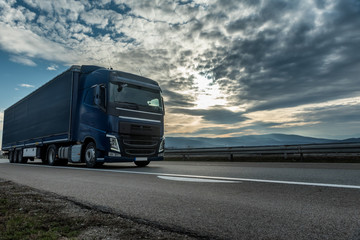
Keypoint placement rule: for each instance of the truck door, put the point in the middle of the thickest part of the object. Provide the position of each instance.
(93, 116)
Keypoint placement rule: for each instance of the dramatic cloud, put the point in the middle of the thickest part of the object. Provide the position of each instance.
(297, 53)
(230, 67)
(214, 115)
(24, 42)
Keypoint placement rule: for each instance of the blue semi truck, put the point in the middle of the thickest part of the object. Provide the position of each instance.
(88, 114)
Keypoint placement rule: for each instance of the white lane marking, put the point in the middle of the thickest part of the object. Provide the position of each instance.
(192, 179)
(204, 177)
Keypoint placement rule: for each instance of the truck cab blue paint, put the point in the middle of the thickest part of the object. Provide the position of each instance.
(100, 121)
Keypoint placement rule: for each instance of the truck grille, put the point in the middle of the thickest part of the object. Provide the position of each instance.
(140, 143)
(139, 146)
(140, 152)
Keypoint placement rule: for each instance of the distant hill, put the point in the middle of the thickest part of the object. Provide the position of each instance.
(250, 140)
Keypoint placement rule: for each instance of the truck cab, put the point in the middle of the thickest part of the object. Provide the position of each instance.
(123, 114)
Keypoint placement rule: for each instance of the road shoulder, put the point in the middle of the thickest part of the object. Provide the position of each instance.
(32, 214)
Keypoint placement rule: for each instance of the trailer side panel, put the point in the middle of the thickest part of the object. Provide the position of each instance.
(43, 113)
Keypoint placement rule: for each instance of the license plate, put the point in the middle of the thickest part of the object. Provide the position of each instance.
(139, 159)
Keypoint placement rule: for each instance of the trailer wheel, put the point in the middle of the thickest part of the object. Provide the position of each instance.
(142, 163)
(43, 156)
(19, 157)
(11, 156)
(90, 155)
(15, 156)
(51, 157)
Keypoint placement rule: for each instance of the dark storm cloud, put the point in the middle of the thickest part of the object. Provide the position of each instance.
(179, 83)
(219, 17)
(271, 11)
(335, 114)
(302, 64)
(212, 35)
(214, 115)
(178, 100)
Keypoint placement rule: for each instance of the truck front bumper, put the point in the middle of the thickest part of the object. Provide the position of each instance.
(130, 159)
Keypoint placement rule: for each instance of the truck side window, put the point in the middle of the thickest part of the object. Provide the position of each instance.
(89, 98)
(102, 96)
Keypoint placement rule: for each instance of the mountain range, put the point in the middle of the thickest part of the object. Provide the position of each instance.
(249, 140)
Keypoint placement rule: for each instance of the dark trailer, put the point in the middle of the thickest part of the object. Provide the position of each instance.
(88, 114)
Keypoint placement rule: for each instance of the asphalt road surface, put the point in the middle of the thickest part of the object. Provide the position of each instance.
(215, 200)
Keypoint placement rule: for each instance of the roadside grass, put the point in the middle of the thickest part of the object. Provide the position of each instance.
(29, 219)
(30, 214)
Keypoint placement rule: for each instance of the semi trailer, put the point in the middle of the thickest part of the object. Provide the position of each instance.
(88, 114)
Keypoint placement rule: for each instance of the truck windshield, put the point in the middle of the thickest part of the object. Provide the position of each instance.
(135, 97)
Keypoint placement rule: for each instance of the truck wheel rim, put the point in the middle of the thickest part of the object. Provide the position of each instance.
(90, 154)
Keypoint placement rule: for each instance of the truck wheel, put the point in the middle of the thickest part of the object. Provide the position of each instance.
(19, 158)
(90, 155)
(11, 156)
(142, 163)
(15, 156)
(43, 156)
(51, 157)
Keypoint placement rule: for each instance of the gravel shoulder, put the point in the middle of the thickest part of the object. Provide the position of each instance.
(27, 213)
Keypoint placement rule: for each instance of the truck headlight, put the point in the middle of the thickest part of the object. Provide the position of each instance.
(114, 145)
(162, 145)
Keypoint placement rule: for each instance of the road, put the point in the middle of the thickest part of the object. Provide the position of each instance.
(215, 200)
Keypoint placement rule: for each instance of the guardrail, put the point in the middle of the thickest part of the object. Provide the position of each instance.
(283, 151)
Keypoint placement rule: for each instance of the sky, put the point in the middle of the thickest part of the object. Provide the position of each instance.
(227, 68)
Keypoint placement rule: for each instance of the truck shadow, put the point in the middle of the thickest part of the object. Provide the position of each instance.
(106, 166)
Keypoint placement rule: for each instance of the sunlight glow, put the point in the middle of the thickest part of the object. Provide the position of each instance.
(208, 93)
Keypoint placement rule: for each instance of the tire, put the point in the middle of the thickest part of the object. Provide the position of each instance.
(90, 155)
(43, 157)
(142, 163)
(51, 155)
(15, 156)
(11, 156)
(18, 156)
